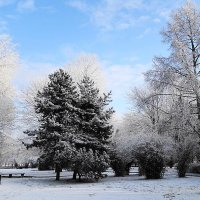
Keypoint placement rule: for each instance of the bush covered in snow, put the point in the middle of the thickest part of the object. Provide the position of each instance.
(151, 160)
(152, 151)
(118, 164)
(121, 154)
(90, 164)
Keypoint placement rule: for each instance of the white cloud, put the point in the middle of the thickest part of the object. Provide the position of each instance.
(161, 9)
(26, 5)
(80, 5)
(6, 2)
(123, 77)
(110, 14)
(123, 14)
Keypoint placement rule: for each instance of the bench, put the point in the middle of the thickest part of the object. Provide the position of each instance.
(10, 175)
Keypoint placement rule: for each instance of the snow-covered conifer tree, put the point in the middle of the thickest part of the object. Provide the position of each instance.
(95, 116)
(94, 126)
(56, 104)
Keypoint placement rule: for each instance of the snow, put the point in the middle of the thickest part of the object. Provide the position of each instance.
(42, 186)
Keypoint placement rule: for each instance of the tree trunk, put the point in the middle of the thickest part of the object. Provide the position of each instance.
(74, 175)
(57, 175)
(140, 171)
(198, 108)
(57, 170)
(79, 177)
(127, 168)
(198, 115)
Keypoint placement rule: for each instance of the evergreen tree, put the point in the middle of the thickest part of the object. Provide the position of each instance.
(56, 104)
(74, 126)
(94, 116)
(94, 127)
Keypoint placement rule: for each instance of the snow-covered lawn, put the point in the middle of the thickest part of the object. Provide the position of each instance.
(44, 187)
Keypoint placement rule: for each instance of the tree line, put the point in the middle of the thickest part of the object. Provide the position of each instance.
(164, 127)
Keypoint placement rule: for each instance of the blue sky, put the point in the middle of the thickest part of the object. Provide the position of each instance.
(124, 34)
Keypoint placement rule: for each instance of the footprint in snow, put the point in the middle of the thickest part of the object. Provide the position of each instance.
(91, 194)
(169, 196)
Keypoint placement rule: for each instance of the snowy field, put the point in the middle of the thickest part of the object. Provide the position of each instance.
(42, 186)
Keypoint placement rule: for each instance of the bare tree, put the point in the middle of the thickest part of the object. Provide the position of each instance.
(178, 74)
(8, 63)
(87, 65)
(27, 116)
(152, 108)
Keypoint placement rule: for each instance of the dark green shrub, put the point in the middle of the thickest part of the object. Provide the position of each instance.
(151, 161)
(90, 164)
(118, 166)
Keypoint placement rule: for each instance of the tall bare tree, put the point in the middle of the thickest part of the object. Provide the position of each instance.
(87, 65)
(8, 64)
(179, 73)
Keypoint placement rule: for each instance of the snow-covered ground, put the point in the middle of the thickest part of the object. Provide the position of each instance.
(42, 186)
